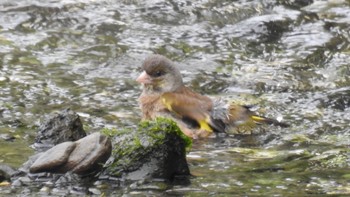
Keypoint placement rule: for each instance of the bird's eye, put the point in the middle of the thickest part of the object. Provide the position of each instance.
(158, 73)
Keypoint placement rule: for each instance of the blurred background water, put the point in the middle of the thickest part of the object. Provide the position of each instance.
(290, 58)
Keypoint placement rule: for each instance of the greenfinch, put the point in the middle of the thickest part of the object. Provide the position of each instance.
(165, 95)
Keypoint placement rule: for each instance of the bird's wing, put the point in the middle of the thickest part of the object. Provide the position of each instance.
(190, 108)
(242, 114)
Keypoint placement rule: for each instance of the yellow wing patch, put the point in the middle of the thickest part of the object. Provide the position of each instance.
(203, 124)
(167, 103)
(184, 109)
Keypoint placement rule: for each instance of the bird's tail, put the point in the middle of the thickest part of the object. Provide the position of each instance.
(269, 121)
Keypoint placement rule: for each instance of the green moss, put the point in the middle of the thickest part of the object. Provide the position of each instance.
(164, 125)
(137, 142)
(110, 132)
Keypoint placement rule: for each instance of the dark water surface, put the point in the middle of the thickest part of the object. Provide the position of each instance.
(291, 58)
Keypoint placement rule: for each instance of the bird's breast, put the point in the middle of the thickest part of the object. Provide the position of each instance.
(151, 106)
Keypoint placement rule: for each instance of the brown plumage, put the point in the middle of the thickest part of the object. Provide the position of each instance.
(164, 94)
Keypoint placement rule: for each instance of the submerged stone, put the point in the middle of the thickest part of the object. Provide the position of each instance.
(331, 159)
(156, 149)
(6, 172)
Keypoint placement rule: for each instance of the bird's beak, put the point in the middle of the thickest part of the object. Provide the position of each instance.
(144, 78)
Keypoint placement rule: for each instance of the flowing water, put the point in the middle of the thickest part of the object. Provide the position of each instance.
(290, 58)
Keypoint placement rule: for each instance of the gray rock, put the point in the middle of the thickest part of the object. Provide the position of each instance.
(60, 127)
(89, 154)
(81, 157)
(5, 172)
(53, 159)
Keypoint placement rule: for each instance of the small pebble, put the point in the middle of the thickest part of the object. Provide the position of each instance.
(95, 191)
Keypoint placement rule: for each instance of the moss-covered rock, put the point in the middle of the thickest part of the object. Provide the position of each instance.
(156, 149)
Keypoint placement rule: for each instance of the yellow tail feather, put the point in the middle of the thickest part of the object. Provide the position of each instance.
(258, 118)
(264, 120)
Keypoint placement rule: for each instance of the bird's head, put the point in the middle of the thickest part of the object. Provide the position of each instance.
(159, 75)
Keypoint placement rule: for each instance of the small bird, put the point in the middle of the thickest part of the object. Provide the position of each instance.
(165, 95)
